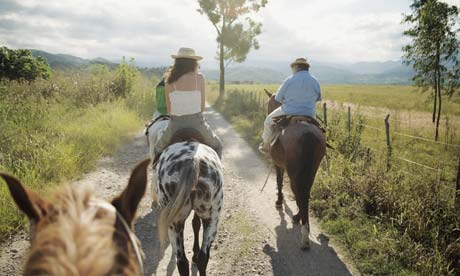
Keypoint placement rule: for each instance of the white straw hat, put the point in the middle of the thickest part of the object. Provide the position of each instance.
(186, 53)
(300, 61)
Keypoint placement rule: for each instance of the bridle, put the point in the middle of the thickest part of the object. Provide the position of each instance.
(131, 236)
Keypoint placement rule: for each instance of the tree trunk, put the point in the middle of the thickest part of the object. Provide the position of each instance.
(438, 90)
(222, 72)
(439, 105)
(435, 97)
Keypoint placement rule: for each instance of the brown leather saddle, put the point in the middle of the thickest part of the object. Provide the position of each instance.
(182, 135)
(151, 122)
(283, 121)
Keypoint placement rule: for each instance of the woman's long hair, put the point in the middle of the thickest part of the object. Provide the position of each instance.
(181, 67)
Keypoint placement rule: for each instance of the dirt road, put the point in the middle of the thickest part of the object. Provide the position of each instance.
(253, 237)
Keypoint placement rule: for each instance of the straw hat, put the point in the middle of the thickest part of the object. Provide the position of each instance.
(186, 53)
(300, 61)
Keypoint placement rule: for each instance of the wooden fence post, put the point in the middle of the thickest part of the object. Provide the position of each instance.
(349, 120)
(457, 185)
(387, 132)
(325, 114)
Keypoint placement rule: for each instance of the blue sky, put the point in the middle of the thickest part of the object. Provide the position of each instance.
(336, 31)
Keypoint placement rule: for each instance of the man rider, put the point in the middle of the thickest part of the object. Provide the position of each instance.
(298, 96)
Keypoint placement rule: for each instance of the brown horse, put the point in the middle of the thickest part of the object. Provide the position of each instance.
(298, 151)
(76, 233)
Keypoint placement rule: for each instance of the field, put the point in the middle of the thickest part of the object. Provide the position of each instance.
(55, 130)
(393, 208)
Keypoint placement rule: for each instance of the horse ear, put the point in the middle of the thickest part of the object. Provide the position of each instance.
(268, 93)
(28, 202)
(128, 201)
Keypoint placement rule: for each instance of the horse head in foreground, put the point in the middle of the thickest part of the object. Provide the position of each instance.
(188, 177)
(298, 150)
(76, 233)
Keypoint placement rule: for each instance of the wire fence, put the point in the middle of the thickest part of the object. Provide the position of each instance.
(440, 166)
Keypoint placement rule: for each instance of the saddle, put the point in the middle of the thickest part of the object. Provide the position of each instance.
(182, 135)
(283, 121)
(151, 122)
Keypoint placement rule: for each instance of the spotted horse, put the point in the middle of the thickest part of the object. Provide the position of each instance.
(188, 177)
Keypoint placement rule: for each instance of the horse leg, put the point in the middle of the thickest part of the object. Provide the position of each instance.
(302, 204)
(209, 234)
(279, 183)
(196, 225)
(176, 238)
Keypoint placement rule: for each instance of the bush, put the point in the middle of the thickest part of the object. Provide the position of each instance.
(22, 65)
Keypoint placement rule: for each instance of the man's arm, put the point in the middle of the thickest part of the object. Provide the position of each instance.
(320, 98)
(279, 97)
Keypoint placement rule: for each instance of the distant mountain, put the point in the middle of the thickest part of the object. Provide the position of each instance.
(366, 68)
(245, 74)
(63, 61)
(389, 72)
(326, 74)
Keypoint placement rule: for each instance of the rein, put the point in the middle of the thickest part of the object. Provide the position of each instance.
(132, 238)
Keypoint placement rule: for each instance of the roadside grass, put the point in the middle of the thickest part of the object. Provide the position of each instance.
(394, 221)
(54, 131)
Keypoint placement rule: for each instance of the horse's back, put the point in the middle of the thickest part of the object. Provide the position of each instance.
(299, 141)
(207, 193)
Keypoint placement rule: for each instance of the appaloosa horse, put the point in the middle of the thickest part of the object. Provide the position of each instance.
(76, 233)
(188, 177)
(299, 150)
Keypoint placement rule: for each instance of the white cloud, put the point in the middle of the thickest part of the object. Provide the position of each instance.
(329, 31)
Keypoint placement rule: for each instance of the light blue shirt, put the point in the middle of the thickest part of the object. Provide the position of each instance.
(299, 94)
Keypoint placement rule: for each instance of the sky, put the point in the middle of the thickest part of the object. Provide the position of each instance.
(329, 31)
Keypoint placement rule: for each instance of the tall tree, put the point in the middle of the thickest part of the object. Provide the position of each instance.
(434, 51)
(236, 30)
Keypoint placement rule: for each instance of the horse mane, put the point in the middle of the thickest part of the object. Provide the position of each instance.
(74, 238)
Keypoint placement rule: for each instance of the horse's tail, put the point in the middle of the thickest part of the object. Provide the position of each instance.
(188, 177)
(312, 152)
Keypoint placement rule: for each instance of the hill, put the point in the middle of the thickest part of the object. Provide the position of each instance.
(389, 72)
(65, 62)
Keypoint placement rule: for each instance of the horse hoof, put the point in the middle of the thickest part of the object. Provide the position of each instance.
(305, 237)
(305, 245)
(195, 259)
(296, 219)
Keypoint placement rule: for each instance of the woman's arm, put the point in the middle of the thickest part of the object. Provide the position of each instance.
(203, 92)
(168, 89)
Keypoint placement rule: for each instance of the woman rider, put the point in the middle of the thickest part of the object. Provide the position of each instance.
(185, 101)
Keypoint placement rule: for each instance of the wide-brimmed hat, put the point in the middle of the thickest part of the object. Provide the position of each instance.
(300, 61)
(186, 53)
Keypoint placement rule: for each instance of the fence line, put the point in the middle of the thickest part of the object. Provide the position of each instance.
(372, 127)
(418, 164)
(425, 139)
(441, 126)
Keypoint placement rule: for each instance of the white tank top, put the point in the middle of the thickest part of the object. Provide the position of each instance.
(185, 102)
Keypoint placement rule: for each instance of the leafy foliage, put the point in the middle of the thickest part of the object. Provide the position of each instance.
(236, 37)
(21, 65)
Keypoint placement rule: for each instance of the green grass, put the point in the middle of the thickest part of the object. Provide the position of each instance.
(395, 97)
(394, 221)
(54, 131)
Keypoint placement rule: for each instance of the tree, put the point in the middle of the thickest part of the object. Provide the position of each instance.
(22, 65)
(434, 51)
(234, 36)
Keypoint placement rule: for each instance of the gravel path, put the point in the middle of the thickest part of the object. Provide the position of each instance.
(253, 237)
